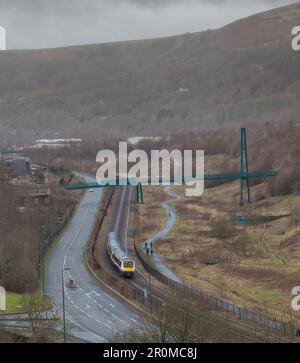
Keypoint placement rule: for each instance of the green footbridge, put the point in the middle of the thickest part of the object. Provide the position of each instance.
(244, 175)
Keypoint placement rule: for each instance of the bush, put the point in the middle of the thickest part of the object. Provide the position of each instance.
(240, 245)
(296, 215)
(223, 228)
(287, 182)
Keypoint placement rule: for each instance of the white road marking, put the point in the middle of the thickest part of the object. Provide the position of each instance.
(79, 325)
(74, 295)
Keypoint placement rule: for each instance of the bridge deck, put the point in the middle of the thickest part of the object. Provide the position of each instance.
(160, 181)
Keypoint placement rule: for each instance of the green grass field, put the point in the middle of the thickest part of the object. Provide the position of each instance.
(13, 303)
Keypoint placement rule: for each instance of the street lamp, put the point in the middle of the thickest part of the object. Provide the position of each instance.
(42, 226)
(149, 285)
(63, 300)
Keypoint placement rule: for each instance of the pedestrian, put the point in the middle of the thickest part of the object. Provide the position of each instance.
(146, 245)
(151, 245)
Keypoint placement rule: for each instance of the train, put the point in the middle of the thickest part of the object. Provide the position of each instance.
(124, 264)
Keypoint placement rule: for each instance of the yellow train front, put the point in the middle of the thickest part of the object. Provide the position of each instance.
(124, 264)
(128, 268)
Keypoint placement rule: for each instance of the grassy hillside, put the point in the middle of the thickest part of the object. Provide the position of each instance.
(243, 72)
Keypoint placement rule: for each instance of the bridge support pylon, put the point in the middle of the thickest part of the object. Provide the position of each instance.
(139, 194)
(244, 165)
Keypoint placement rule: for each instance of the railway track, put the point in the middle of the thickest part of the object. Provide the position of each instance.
(140, 281)
(119, 209)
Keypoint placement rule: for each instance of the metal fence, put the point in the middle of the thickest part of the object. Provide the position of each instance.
(211, 260)
(281, 328)
(56, 231)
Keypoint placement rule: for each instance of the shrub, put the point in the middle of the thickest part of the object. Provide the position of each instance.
(223, 228)
(296, 215)
(240, 245)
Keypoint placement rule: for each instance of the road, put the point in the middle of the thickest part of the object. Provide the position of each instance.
(171, 220)
(91, 314)
(229, 308)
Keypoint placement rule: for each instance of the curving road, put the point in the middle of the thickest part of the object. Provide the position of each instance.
(91, 314)
(171, 220)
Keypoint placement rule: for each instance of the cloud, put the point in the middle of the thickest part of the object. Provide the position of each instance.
(54, 23)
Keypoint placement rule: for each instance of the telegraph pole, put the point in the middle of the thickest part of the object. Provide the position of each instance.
(63, 301)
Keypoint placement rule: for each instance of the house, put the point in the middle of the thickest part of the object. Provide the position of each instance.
(21, 165)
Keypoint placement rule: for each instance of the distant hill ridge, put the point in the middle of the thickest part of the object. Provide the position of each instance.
(242, 72)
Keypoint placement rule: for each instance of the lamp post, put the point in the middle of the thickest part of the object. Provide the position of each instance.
(63, 300)
(42, 226)
(149, 282)
(41, 229)
(43, 281)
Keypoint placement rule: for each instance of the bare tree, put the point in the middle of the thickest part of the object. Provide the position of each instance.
(180, 319)
(41, 321)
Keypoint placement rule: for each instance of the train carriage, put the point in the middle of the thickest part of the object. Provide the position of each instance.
(124, 264)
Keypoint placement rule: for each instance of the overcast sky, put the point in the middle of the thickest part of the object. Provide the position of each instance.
(55, 23)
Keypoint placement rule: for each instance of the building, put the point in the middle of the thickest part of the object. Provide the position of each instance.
(21, 165)
(55, 143)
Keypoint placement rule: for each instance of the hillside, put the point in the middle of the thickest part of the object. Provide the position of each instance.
(243, 72)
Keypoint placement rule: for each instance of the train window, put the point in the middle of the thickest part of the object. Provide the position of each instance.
(117, 260)
(128, 264)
